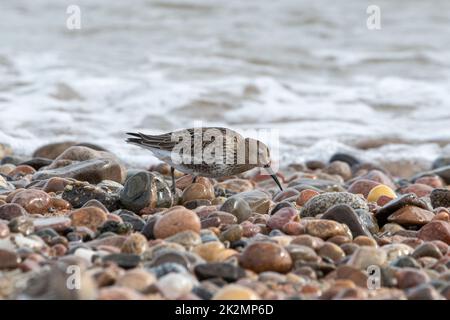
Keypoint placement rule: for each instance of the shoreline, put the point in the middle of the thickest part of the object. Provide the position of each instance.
(124, 235)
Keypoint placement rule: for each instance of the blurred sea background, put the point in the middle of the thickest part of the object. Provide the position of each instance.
(309, 69)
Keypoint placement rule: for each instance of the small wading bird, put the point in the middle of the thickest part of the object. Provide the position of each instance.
(203, 157)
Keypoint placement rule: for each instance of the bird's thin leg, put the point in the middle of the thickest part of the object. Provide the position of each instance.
(172, 173)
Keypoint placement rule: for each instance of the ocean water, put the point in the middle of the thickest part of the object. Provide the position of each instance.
(310, 71)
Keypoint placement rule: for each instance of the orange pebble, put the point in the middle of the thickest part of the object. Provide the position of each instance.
(305, 195)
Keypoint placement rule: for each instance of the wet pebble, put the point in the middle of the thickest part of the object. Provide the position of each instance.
(175, 220)
(226, 271)
(237, 207)
(56, 223)
(235, 292)
(326, 229)
(10, 211)
(33, 201)
(435, 230)
(275, 258)
(90, 217)
(343, 213)
(282, 217)
(411, 215)
(135, 243)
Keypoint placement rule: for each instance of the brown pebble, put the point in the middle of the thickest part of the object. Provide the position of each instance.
(365, 241)
(90, 217)
(34, 201)
(435, 230)
(136, 243)
(8, 259)
(175, 220)
(265, 256)
(197, 191)
(331, 251)
(10, 211)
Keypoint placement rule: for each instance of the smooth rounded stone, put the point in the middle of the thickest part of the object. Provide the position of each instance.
(226, 218)
(146, 189)
(52, 150)
(302, 253)
(326, 229)
(380, 177)
(331, 251)
(410, 277)
(340, 168)
(226, 271)
(315, 164)
(136, 279)
(197, 191)
(391, 228)
(293, 228)
(237, 207)
(79, 193)
(343, 213)
(305, 195)
(281, 205)
(435, 230)
(5, 169)
(286, 194)
(345, 157)
(187, 238)
(365, 241)
(170, 256)
(21, 171)
(380, 191)
(209, 251)
(8, 259)
(232, 233)
(443, 172)
(282, 217)
(83, 163)
(12, 210)
(358, 277)
(212, 222)
(115, 227)
(258, 201)
(339, 240)
(136, 221)
(23, 225)
(56, 223)
(423, 292)
(175, 220)
(409, 199)
(33, 201)
(249, 229)
(275, 258)
(235, 292)
(4, 230)
(441, 162)
(420, 190)
(236, 185)
(175, 285)
(364, 257)
(411, 216)
(442, 216)
(440, 198)
(90, 217)
(309, 241)
(193, 204)
(321, 203)
(362, 186)
(135, 243)
(123, 260)
(405, 262)
(96, 203)
(432, 181)
(148, 230)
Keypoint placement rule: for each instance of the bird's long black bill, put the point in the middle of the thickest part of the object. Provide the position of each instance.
(274, 177)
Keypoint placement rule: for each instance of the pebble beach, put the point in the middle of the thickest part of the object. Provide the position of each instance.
(77, 223)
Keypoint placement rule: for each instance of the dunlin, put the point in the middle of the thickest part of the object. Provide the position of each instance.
(208, 151)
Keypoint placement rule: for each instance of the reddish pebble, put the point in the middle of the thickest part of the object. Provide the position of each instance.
(305, 195)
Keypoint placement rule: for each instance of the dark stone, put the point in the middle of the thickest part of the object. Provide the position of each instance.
(192, 204)
(410, 199)
(115, 227)
(37, 163)
(343, 213)
(315, 184)
(146, 189)
(237, 207)
(78, 193)
(349, 159)
(130, 217)
(202, 293)
(440, 198)
(427, 249)
(95, 203)
(123, 260)
(281, 205)
(226, 271)
(441, 162)
(322, 202)
(147, 231)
